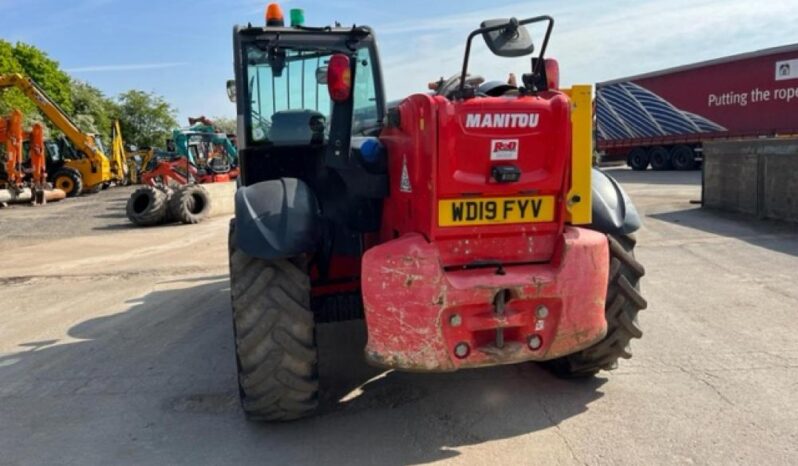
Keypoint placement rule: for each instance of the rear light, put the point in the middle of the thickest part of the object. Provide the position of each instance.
(552, 74)
(339, 78)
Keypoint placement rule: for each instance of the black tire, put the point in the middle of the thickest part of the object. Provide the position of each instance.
(683, 158)
(623, 303)
(638, 159)
(273, 325)
(3, 179)
(190, 204)
(146, 206)
(69, 180)
(169, 193)
(660, 158)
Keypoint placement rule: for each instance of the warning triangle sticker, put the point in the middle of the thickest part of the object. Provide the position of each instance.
(404, 183)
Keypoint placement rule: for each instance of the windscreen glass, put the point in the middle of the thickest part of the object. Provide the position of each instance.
(286, 90)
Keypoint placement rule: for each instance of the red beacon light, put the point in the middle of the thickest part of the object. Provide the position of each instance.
(274, 15)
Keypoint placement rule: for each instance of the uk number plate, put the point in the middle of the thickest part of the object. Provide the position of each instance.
(495, 210)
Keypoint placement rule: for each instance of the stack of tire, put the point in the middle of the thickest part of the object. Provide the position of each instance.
(149, 206)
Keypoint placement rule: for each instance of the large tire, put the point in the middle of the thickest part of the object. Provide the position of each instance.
(638, 159)
(683, 157)
(660, 158)
(623, 303)
(146, 206)
(69, 180)
(190, 204)
(169, 193)
(275, 342)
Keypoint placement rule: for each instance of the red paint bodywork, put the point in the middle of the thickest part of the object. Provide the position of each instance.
(174, 171)
(409, 300)
(445, 159)
(418, 274)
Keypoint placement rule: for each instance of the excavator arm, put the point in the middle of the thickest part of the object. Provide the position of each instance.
(96, 168)
(120, 165)
(12, 135)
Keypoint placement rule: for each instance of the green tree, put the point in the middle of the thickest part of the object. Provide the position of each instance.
(146, 118)
(12, 98)
(93, 111)
(47, 74)
(228, 125)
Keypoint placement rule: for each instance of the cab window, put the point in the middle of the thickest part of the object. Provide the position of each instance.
(289, 93)
(365, 96)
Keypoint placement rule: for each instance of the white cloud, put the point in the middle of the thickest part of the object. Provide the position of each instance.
(124, 67)
(592, 40)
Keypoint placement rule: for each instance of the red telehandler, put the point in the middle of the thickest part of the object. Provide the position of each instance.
(466, 226)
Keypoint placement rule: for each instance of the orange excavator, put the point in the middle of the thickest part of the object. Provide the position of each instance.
(13, 136)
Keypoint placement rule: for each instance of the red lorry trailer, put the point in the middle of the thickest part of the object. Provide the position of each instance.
(662, 118)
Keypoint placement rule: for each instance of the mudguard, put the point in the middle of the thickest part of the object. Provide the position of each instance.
(613, 210)
(276, 219)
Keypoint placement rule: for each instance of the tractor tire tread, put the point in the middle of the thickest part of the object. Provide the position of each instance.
(74, 175)
(624, 301)
(154, 212)
(182, 205)
(275, 344)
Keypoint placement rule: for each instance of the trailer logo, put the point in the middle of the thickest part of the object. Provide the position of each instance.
(504, 149)
(502, 120)
(787, 69)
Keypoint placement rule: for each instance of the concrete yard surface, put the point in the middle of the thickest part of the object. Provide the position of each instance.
(116, 347)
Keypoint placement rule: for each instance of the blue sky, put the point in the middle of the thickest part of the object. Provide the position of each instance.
(183, 49)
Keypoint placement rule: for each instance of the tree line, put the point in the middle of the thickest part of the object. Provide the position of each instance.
(146, 119)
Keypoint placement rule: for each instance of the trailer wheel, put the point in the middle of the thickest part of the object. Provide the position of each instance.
(68, 180)
(190, 204)
(623, 303)
(273, 326)
(683, 157)
(660, 158)
(146, 206)
(638, 159)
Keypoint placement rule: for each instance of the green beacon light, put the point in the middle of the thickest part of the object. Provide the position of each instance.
(297, 17)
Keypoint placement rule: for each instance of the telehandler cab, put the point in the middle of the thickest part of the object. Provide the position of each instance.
(467, 225)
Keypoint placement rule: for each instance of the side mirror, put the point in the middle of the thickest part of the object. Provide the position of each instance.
(511, 41)
(321, 75)
(339, 78)
(231, 90)
(276, 62)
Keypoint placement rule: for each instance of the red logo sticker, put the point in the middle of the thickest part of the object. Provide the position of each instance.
(504, 149)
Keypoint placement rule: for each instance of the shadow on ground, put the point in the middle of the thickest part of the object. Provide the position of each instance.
(777, 236)
(155, 384)
(627, 175)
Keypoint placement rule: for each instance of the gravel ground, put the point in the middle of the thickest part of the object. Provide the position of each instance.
(116, 348)
(93, 214)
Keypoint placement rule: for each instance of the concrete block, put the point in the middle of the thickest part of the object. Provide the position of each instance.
(730, 178)
(757, 177)
(222, 198)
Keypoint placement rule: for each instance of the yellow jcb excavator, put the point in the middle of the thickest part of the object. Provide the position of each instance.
(91, 168)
